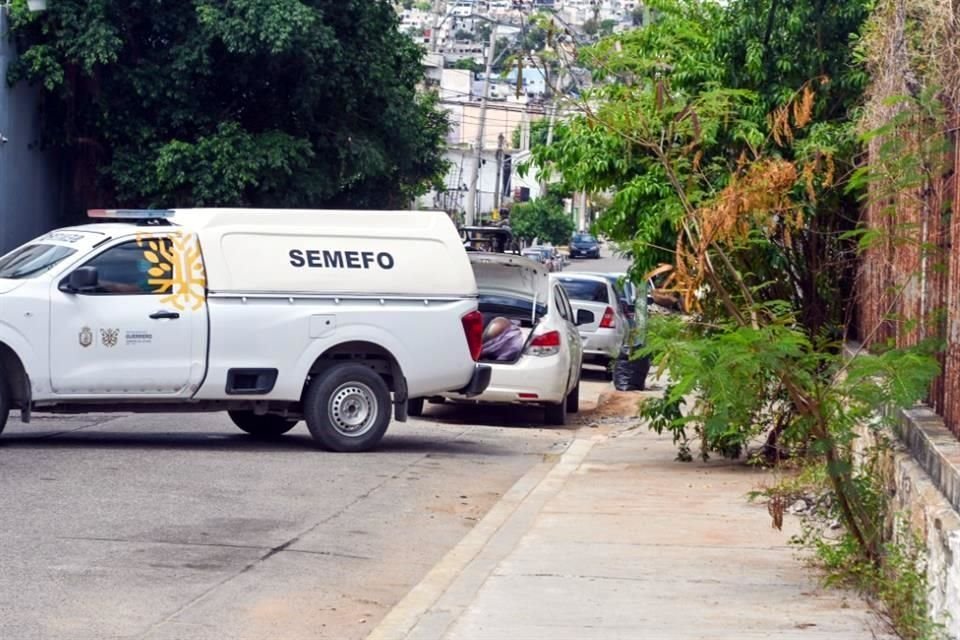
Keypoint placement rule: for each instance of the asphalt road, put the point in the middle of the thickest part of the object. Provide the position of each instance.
(166, 527)
(606, 263)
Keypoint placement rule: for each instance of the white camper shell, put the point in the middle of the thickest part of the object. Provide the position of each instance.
(335, 317)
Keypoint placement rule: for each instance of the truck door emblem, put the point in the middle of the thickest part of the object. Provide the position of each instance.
(109, 337)
(85, 337)
(176, 270)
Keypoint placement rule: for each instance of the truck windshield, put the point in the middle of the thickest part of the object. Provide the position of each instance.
(32, 260)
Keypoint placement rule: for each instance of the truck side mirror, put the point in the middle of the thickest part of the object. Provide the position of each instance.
(82, 280)
(585, 317)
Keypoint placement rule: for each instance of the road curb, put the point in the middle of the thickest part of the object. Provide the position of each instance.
(433, 605)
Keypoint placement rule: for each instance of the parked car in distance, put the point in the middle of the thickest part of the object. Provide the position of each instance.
(605, 327)
(559, 259)
(632, 302)
(584, 245)
(542, 365)
(550, 257)
(536, 256)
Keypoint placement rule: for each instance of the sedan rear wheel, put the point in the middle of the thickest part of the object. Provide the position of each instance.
(556, 414)
(573, 399)
(415, 407)
(267, 426)
(4, 400)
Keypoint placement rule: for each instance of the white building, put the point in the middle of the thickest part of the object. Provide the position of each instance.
(498, 180)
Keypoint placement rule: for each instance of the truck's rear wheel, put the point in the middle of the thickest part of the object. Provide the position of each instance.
(265, 426)
(4, 401)
(347, 408)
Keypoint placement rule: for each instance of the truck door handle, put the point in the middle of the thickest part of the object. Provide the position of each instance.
(165, 315)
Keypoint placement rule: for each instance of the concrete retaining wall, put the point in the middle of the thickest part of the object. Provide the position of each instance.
(923, 478)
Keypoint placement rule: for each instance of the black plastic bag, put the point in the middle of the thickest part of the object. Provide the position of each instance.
(630, 375)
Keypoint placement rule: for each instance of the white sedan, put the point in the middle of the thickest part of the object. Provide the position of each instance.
(531, 340)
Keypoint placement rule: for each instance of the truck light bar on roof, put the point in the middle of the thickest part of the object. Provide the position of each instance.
(131, 214)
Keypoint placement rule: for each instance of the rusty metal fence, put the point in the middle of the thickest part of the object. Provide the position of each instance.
(909, 280)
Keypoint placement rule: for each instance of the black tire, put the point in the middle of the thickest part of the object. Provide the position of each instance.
(415, 407)
(341, 395)
(573, 399)
(266, 427)
(5, 401)
(555, 414)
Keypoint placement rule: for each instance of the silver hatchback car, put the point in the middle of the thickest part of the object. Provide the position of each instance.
(606, 335)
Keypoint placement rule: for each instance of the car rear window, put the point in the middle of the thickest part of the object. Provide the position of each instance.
(493, 305)
(32, 260)
(588, 290)
(583, 238)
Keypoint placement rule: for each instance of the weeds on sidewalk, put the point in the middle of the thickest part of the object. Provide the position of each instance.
(897, 585)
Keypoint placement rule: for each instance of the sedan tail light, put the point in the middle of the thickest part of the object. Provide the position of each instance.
(473, 330)
(545, 344)
(609, 320)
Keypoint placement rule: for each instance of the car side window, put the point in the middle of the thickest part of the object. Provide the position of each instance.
(571, 316)
(126, 268)
(561, 303)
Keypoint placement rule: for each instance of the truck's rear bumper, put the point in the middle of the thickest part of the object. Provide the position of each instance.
(478, 382)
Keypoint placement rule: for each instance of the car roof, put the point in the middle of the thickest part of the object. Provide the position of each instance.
(577, 275)
(601, 274)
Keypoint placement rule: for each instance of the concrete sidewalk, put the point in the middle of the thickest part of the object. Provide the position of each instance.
(617, 541)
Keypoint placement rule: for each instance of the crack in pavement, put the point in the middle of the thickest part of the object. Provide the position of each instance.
(219, 545)
(54, 434)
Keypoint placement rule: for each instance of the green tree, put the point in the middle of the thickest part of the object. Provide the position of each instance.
(591, 27)
(253, 102)
(543, 219)
(726, 132)
(606, 27)
(538, 133)
(467, 64)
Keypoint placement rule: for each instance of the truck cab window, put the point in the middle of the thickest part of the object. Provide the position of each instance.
(124, 269)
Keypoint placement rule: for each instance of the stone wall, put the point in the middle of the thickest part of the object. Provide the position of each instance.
(923, 478)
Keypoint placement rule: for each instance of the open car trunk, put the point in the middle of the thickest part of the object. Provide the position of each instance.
(514, 288)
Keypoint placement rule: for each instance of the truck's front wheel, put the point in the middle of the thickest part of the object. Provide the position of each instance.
(347, 408)
(265, 426)
(4, 401)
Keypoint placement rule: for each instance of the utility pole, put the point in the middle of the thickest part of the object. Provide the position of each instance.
(470, 212)
(497, 191)
(552, 119)
(436, 25)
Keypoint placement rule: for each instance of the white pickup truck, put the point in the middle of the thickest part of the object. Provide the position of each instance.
(335, 317)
